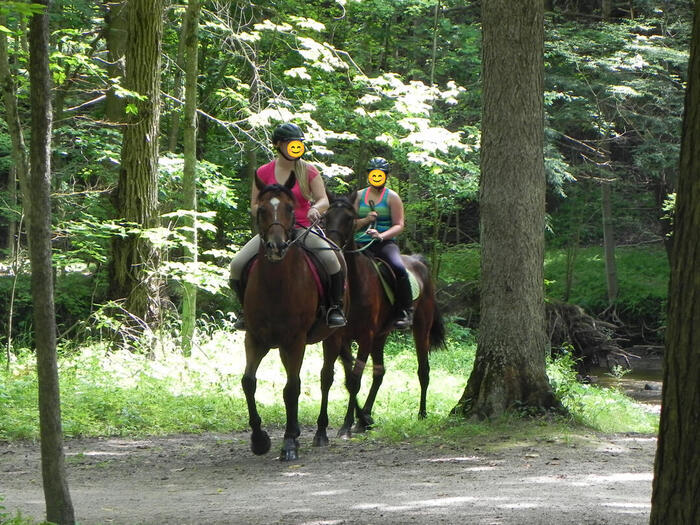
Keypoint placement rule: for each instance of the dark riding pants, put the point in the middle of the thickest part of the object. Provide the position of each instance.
(389, 252)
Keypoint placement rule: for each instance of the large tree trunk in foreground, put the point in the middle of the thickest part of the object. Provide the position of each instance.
(134, 259)
(59, 508)
(509, 369)
(676, 492)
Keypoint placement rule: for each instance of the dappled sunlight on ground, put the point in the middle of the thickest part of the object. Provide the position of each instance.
(214, 479)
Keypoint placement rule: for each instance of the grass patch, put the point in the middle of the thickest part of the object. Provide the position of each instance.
(642, 274)
(642, 280)
(125, 394)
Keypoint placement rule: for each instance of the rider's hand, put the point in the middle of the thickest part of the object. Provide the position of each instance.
(372, 216)
(374, 234)
(313, 214)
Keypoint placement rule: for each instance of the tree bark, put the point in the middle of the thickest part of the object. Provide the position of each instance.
(59, 508)
(676, 488)
(116, 31)
(14, 125)
(509, 369)
(609, 244)
(180, 66)
(134, 259)
(189, 179)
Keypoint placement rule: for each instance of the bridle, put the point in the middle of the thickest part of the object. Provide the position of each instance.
(348, 241)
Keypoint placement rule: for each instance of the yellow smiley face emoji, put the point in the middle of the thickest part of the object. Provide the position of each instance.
(295, 149)
(376, 178)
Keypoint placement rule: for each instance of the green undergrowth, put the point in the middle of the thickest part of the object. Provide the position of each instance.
(120, 393)
(642, 274)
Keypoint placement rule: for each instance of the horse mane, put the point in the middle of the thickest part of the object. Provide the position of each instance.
(346, 201)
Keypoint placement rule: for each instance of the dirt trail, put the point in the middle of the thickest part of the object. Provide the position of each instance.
(215, 479)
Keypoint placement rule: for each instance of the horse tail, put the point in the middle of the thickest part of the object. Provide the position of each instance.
(437, 328)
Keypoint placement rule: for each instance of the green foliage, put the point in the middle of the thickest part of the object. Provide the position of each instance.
(17, 519)
(461, 263)
(107, 392)
(642, 278)
(605, 409)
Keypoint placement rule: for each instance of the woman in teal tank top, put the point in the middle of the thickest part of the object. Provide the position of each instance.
(381, 220)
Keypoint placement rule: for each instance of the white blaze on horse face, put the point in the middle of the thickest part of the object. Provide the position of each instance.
(275, 204)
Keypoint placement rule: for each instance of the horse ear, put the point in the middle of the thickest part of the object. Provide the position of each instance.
(352, 197)
(291, 180)
(259, 183)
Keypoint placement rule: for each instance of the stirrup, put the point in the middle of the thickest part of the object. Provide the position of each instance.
(335, 317)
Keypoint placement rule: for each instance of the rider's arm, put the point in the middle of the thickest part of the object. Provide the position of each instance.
(318, 194)
(254, 199)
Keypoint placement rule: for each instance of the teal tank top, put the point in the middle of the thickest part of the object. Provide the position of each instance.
(383, 214)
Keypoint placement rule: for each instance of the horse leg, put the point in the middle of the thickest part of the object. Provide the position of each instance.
(364, 416)
(352, 384)
(331, 350)
(292, 356)
(259, 439)
(421, 338)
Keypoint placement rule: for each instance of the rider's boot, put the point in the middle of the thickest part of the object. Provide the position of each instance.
(404, 303)
(238, 287)
(335, 318)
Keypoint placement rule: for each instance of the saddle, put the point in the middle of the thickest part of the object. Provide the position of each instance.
(388, 278)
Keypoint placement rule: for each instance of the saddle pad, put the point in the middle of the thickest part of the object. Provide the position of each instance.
(388, 289)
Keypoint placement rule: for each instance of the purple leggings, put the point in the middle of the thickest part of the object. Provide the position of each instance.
(389, 251)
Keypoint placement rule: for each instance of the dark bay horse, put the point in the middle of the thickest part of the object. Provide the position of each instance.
(372, 316)
(280, 307)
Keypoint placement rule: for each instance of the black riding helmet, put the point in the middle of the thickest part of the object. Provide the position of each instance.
(287, 132)
(379, 163)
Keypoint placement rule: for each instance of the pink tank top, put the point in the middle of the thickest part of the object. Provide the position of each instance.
(266, 173)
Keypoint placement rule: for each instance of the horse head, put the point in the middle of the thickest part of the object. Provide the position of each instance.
(340, 220)
(275, 217)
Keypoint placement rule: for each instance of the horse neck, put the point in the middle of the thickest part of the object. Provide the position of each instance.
(289, 267)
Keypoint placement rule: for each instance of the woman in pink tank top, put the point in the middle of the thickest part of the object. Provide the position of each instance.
(310, 193)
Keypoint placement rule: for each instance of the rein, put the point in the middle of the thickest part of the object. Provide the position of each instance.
(345, 247)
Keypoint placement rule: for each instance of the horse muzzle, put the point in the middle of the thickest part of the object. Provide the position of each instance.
(276, 250)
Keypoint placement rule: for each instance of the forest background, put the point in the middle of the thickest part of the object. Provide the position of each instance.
(400, 80)
(372, 78)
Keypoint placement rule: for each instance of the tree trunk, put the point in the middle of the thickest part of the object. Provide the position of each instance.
(12, 227)
(509, 369)
(115, 39)
(14, 125)
(189, 180)
(676, 488)
(59, 508)
(435, 38)
(606, 9)
(609, 244)
(134, 259)
(180, 66)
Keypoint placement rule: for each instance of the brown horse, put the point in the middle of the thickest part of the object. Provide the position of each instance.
(372, 316)
(280, 308)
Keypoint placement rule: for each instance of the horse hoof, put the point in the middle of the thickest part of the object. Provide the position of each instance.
(345, 433)
(290, 451)
(320, 440)
(260, 443)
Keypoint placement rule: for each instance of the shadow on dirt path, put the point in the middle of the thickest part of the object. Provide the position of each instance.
(214, 479)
